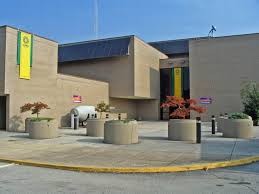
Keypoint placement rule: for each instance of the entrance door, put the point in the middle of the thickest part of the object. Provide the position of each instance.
(2, 113)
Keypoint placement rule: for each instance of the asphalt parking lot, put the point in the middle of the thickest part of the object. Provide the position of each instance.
(23, 179)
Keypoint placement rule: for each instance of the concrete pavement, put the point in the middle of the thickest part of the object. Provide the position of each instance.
(74, 148)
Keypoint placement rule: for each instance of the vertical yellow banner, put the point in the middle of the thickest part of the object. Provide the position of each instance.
(25, 54)
(178, 82)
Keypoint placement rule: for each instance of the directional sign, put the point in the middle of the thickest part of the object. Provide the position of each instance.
(206, 100)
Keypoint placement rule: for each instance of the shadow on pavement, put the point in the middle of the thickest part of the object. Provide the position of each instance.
(86, 140)
(153, 138)
(24, 136)
(75, 134)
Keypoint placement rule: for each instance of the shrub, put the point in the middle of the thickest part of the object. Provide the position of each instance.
(35, 108)
(250, 100)
(238, 115)
(41, 119)
(102, 107)
(182, 107)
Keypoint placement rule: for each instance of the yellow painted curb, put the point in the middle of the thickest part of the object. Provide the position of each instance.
(164, 169)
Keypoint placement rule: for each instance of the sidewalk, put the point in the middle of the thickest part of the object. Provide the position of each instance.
(74, 148)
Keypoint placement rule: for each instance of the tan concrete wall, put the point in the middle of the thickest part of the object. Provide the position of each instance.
(45, 84)
(2, 60)
(131, 78)
(117, 71)
(41, 86)
(174, 62)
(147, 79)
(92, 92)
(146, 70)
(148, 109)
(124, 105)
(220, 66)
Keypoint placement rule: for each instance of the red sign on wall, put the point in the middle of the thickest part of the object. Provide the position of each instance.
(77, 98)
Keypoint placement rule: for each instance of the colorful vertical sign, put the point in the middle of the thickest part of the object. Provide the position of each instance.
(178, 81)
(24, 54)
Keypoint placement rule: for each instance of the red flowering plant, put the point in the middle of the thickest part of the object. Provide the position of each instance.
(35, 108)
(182, 107)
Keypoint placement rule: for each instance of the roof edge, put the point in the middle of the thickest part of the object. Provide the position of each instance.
(15, 28)
(205, 37)
(95, 40)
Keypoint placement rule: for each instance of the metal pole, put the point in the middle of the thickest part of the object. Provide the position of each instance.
(198, 130)
(213, 124)
(72, 121)
(76, 122)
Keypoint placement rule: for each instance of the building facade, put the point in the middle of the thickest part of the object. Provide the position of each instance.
(133, 76)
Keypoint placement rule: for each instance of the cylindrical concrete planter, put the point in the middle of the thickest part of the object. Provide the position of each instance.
(43, 129)
(120, 132)
(27, 124)
(182, 130)
(238, 128)
(95, 127)
(220, 124)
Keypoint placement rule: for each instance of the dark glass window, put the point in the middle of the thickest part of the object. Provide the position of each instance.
(165, 83)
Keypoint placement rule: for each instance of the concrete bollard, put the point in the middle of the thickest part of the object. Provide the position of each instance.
(198, 130)
(213, 124)
(76, 122)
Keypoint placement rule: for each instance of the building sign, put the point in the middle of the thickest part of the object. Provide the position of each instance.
(77, 99)
(178, 82)
(24, 54)
(205, 100)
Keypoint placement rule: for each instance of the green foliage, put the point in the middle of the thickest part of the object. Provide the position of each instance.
(238, 115)
(250, 100)
(41, 119)
(102, 107)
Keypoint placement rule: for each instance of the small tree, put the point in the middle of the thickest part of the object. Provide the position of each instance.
(35, 108)
(182, 108)
(250, 100)
(102, 107)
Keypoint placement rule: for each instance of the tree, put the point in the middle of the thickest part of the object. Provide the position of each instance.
(182, 108)
(35, 108)
(250, 100)
(102, 107)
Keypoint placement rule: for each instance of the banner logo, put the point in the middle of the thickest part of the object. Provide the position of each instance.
(24, 54)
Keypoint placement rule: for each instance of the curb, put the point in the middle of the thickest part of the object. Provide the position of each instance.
(164, 169)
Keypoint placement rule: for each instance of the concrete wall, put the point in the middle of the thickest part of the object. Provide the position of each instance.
(148, 109)
(131, 78)
(2, 60)
(41, 86)
(45, 84)
(124, 106)
(177, 61)
(117, 71)
(91, 91)
(220, 66)
(146, 70)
